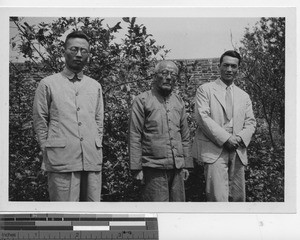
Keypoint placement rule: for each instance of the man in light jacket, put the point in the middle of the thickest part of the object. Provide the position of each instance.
(226, 124)
(68, 120)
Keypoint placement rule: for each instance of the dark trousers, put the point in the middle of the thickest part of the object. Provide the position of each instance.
(163, 185)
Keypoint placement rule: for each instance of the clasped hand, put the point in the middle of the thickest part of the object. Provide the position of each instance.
(233, 143)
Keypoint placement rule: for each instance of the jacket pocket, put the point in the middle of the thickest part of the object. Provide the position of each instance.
(56, 152)
(55, 143)
(158, 147)
(202, 137)
(99, 153)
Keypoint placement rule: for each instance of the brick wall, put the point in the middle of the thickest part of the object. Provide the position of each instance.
(201, 70)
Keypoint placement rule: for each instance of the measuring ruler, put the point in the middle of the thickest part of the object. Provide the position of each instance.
(78, 226)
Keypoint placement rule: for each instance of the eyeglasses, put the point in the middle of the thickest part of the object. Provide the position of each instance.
(74, 51)
(166, 73)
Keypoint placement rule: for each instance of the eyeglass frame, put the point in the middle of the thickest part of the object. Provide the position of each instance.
(74, 51)
(166, 73)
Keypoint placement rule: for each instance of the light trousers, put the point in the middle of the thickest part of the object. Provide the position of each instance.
(225, 179)
(75, 186)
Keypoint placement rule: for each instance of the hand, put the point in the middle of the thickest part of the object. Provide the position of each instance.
(186, 174)
(41, 153)
(232, 143)
(42, 148)
(240, 141)
(139, 175)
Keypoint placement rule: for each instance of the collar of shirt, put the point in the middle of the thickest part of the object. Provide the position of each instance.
(70, 75)
(224, 86)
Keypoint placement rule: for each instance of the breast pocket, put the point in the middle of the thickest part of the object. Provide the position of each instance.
(90, 100)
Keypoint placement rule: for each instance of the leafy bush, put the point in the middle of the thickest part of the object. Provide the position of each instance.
(124, 70)
(265, 172)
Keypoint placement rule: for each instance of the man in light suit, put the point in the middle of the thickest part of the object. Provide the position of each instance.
(226, 124)
(68, 120)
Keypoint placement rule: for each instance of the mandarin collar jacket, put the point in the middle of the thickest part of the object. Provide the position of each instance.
(68, 121)
(158, 132)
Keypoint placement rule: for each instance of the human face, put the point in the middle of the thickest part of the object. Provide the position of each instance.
(76, 54)
(229, 69)
(165, 77)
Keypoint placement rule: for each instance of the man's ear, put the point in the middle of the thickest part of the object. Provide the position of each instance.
(63, 50)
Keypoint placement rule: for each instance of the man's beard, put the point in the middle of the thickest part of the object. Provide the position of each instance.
(165, 92)
(161, 90)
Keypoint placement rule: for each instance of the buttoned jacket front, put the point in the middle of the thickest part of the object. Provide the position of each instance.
(68, 120)
(211, 118)
(159, 133)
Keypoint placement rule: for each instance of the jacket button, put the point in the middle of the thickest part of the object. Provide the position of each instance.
(78, 108)
(81, 139)
(79, 124)
(76, 94)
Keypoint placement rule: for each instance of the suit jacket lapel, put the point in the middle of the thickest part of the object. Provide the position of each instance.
(237, 102)
(218, 92)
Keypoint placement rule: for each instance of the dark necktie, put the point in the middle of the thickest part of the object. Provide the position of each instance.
(229, 104)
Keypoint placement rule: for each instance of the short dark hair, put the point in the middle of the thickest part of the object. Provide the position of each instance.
(76, 34)
(231, 53)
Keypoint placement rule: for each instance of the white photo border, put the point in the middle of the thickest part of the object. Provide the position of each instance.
(288, 206)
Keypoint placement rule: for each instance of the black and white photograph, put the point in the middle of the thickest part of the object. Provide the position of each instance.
(143, 111)
(122, 56)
